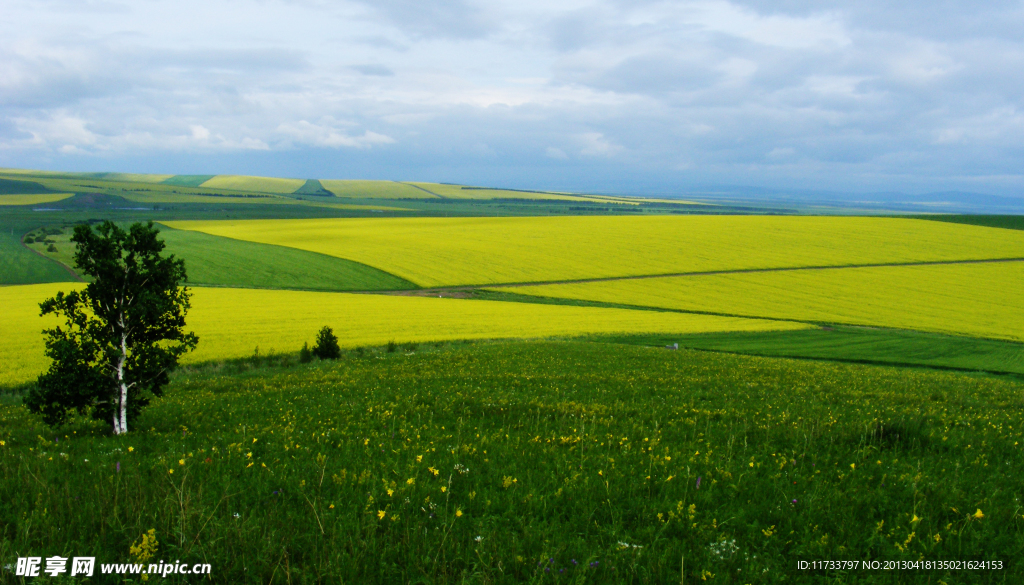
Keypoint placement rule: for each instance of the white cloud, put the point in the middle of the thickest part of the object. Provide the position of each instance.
(600, 92)
(595, 144)
(306, 133)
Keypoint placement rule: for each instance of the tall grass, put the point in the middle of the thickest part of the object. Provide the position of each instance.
(534, 462)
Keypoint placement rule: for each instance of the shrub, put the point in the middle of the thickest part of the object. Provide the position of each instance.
(305, 355)
(326, 347)
(392, 346)
(29, 240)
(51, 248)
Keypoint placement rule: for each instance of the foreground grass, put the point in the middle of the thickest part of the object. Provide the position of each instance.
(535, 462)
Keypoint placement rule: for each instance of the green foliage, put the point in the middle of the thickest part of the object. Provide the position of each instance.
(305, 355)
(553, 453)
(123, 333)
(326, 346)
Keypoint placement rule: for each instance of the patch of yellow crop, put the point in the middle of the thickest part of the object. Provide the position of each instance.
(33, 198)
(21, 339)
(228, 326)
(374, 190)
(490, 250)
(257, 184)
(467, 192)
(135, 177)
(979, 300)
(167, 196)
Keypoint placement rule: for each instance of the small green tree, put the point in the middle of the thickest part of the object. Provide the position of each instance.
(326, 347)
(123, 333)
(305, 355)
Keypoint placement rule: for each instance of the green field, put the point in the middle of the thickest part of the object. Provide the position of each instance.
(20, 265)
(536, 462)
(215, 261)
(854, 344)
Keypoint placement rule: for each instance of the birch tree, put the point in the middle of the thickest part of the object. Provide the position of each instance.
(122, 335)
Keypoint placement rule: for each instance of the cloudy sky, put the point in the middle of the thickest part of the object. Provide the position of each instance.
(614, 96)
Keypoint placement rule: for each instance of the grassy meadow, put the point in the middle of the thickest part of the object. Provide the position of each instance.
(463, 251)
(538, 463)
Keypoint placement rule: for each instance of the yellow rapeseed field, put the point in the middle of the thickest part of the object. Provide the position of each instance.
(980, 300)
(374, 189)
(258, 184)
(492, 250)
(33, 198)
(233, 322)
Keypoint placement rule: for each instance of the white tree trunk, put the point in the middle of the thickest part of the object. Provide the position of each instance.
(121, 413)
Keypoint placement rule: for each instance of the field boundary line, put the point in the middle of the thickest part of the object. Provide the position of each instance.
(66, 268)
(705, 273)
(438, 195)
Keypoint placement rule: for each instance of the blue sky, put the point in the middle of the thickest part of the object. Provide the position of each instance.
(614, 96)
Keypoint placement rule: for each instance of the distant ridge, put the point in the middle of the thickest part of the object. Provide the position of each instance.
(313, 187)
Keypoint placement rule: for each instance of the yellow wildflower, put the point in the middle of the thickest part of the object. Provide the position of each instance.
(181, 462)
(381, 514)
(443, 489)
(419, 458)
(410, 481)
(391, 492)
(458, 513)
(978, 514)
(170, 471)
(130, 449)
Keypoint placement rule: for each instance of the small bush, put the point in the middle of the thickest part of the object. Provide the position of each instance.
(326, 347)
(305, 355)
(51, 248)
(29, 240)
(392, 346)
